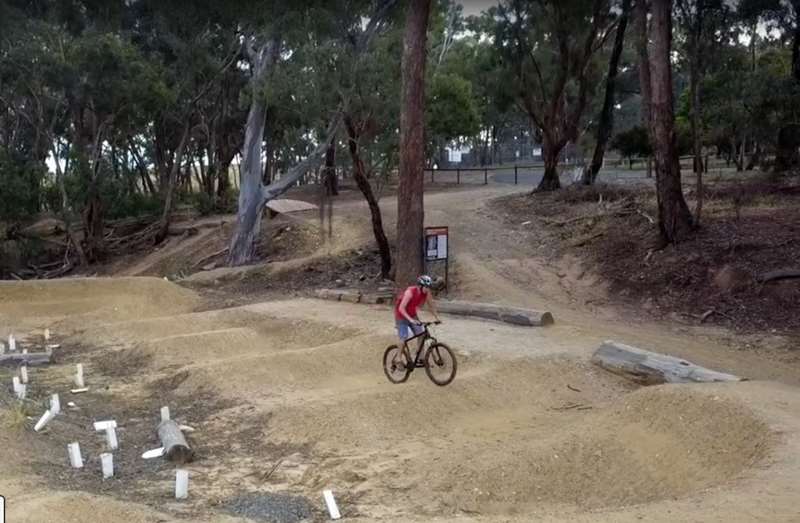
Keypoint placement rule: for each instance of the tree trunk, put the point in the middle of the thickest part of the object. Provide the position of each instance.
(786, 156)
(366, 189)
(93, 212)
(695, 70)
(331, 180)
(796, 43)
(251, 198)
(410, 208)
(169, 196)
(606, 125)
(642, 44)
(550, 153)
(652, 368)
(674, 218)
(755, 158)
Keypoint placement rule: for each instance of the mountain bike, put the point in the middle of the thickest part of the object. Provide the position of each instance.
(437, 358)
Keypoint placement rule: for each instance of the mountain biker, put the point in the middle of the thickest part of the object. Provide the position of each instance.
(406, 306)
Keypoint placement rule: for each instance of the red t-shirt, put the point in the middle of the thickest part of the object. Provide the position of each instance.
(418, 298)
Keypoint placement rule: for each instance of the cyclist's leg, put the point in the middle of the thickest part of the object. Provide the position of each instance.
(418, 330)
(403, 333)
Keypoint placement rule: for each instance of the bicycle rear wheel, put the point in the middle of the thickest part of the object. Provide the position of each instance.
(395, 373)
(440, 364)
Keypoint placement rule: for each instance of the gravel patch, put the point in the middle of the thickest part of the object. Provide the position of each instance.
(271, 507)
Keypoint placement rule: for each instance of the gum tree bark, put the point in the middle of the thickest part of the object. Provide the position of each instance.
(410, 208)
(364, 186)
(606, 125)
(674, 218)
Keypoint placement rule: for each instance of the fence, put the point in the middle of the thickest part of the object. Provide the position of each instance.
(481, 174)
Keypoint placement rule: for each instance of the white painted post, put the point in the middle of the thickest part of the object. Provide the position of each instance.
(23, 374)
(55, 404)
(16, 384)
(164, 413)
(333, 510)
(2, 348)
(111, 438)
(75, 458)
(79, 376)
(44, 420)
(181, 484)
(12, 343)
(107, 463)
(104, 425)
(23, 391)
(47, 335)
(24, 351)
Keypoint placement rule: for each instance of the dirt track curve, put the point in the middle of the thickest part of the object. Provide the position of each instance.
(288, 396)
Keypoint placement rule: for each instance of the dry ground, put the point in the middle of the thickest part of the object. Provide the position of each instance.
(287, 395)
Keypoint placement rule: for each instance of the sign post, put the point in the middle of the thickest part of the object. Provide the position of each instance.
(437, 249)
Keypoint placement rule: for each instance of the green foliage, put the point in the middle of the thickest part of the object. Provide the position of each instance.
(633, 143)
(451, 108)
(21, 183)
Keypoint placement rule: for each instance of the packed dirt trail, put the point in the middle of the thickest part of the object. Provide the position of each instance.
(288, 396)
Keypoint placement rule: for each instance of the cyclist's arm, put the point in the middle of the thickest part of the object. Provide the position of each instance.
(403, 303)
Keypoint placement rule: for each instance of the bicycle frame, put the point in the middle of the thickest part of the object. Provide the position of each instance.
(425, 335)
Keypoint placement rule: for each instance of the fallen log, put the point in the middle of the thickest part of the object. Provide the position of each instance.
(176, 449)
(30, 358)
(783, 274)
(513, 315)
(652, 368)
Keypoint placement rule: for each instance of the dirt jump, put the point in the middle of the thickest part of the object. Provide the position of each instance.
(287, 398)
(282, 396)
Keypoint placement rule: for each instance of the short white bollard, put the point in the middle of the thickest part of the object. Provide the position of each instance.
(181, 484)
(111, 438)
(79, 376)
(44, 420)
(23, 391)
(104, 425)
(16, 384)
(47, 335)
(23, 374)
(107, 462)
(24, 351)
(164, 413)
(333, 510)
(55, 404)
(12, 343)
(75, 458)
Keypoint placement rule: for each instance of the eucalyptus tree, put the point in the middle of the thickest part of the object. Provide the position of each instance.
(551, 47)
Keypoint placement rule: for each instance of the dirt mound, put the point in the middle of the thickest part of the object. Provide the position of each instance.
(748, 230)
(94, 298)
(657, 443)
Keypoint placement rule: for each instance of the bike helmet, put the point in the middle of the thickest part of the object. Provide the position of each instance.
(425, 281)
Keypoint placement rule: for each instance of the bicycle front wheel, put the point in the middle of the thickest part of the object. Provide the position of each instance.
(397, 373)
(440, 364)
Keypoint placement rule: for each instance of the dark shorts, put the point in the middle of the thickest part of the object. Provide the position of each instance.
(407, 330)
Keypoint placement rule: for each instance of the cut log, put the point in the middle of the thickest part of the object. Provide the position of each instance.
(784, 274)
(176, 449)
(651, 368)
(513, 315)
(29, 358)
